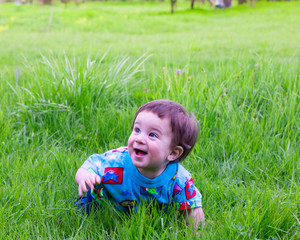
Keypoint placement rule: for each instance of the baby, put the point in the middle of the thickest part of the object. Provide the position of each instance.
(163, 134)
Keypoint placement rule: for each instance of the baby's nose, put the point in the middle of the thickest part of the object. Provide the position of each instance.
(140, 139)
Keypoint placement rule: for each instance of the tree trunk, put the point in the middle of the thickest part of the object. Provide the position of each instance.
(192, 4)
(242, 1)
(172, 5)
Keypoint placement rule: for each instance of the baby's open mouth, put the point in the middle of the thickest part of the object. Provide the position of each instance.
(139, 152)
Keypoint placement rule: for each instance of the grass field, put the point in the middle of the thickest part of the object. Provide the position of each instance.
(71, 79)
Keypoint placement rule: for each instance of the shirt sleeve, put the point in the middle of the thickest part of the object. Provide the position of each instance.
(185, 194)
(94, 164)
(98, 162)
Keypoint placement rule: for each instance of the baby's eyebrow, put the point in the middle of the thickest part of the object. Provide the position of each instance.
(136, 122)
(156, 130)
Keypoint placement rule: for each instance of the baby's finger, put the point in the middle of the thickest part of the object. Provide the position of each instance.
(79, 190)
(83, 187)
(97, 179)
(90, 184)
(92, 180)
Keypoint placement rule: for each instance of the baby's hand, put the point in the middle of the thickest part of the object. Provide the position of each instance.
(86, 180)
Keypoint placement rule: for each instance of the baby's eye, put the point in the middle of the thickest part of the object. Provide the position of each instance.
(152, 135)
(137, 130)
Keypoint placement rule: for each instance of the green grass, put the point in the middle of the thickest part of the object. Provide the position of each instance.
(71, 79)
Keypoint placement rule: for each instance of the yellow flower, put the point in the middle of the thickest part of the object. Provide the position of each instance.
(4, 27)
(81, 20)
(12, 18)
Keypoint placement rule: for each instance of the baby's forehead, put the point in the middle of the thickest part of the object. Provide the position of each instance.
(162, 117)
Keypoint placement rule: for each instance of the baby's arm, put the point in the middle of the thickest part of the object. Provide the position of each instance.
(195, 216)
(86, 180)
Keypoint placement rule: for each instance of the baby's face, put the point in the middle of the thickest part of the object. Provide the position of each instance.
(149, 144)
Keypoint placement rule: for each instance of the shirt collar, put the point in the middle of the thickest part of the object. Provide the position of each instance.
(143, 181)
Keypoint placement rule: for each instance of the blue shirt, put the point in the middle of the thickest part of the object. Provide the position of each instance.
(122, 183)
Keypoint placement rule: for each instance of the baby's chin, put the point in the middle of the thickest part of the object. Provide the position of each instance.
(138, 164)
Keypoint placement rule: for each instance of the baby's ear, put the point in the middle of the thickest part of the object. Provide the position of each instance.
(175, 153)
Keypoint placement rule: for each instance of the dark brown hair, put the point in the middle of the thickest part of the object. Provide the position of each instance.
(184, 126)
